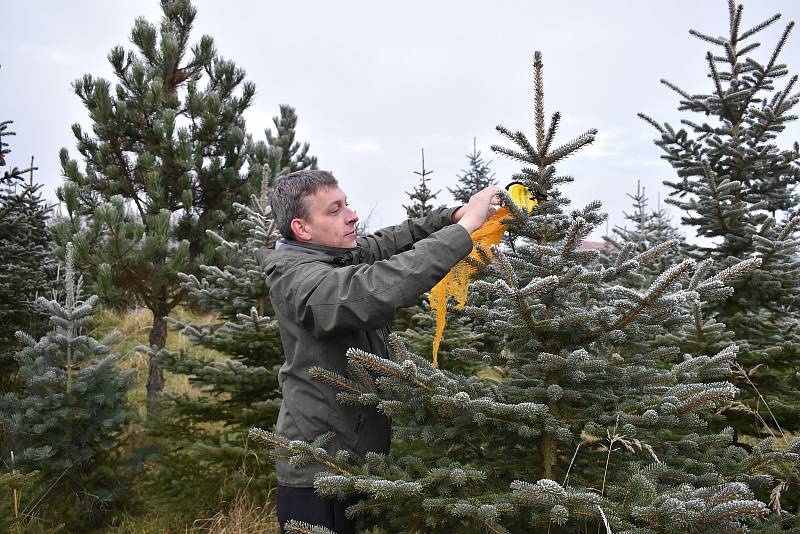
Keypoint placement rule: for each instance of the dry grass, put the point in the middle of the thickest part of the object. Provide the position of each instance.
(132, 329)
(243, 517)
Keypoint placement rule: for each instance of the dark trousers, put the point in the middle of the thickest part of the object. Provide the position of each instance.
(302, 504)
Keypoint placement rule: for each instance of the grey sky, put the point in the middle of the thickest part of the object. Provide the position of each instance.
(373, 82)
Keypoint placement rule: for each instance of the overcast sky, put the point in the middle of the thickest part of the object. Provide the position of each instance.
(373, 82)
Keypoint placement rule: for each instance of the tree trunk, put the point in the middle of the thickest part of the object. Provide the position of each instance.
(549, 443)
(549, 453)
(155, 377)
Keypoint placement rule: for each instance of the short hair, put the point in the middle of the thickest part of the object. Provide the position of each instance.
(288, 197)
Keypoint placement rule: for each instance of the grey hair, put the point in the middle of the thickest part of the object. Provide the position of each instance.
(287, 198)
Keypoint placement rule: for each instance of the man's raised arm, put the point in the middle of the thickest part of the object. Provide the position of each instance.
(328, 301)
(399, 238)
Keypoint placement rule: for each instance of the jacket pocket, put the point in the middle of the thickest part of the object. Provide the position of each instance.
(359, 422)
(372, 432)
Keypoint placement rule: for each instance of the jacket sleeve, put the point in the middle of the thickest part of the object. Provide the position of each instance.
(395, 239)
(329, 300)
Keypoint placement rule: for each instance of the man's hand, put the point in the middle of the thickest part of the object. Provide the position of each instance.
(480, 207)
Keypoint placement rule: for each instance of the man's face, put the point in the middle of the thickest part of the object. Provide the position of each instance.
(330, 220)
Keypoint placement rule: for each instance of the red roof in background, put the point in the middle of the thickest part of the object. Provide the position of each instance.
(595, 245)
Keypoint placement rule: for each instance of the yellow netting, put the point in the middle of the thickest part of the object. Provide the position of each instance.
(455, 283)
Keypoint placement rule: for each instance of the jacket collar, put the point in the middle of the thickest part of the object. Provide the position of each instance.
(337, 255)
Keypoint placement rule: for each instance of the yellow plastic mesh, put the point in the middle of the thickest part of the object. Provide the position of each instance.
(455, 283)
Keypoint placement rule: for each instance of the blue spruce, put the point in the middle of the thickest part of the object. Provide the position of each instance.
(66, 417)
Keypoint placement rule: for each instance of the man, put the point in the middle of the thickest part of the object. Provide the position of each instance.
(331, 291)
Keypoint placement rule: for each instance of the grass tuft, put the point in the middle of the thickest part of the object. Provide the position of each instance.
(243, 517)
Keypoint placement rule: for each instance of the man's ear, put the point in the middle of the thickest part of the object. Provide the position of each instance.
(300, 230)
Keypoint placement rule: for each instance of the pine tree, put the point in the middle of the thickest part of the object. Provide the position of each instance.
(163, 165)
(284, 154)
(421, 197)
(477, 176)
(586, 428)
(238, 392)
(738, 189)
(71, 406)
(27, 267)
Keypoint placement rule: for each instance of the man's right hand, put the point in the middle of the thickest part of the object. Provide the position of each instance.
(480, 207)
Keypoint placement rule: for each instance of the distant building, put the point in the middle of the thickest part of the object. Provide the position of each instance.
(595, 245)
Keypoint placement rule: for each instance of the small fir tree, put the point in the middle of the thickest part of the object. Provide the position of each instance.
(238, 392)
(66, 418)
(478, 175)
(422, 196)
(421, 205)
(738, 189)
(586, 427)
(27, 268)
(163, 165)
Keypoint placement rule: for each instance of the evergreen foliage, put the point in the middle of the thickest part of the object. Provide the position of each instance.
(649, 229)
(422, 196)
(66, 418)
(300, 527)
(478, 175)
(414, 319)
(27, 268)
(416, 326)
(738, 188)
(653, 231)
(285, 155)
(586, 427)
(237, 392)
(415, 323)
(163, 164)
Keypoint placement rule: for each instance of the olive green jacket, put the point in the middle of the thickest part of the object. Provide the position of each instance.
(327, 300)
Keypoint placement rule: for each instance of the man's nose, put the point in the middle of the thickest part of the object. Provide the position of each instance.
(353, 216)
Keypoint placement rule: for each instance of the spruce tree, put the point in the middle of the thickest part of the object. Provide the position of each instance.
(66, 417)
(163, 164)
(738, 188)
(648, 228)
(421, 205)
(586, 427)
(27, 268)
(422, 196)
(478, 175)
(240, 391)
